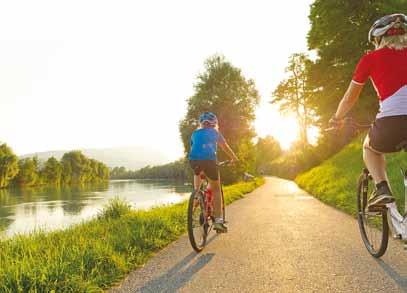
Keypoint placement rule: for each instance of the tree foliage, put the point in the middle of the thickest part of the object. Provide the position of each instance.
(121, 173)
(222, 89)
(74, 169)
(178, 170)
(293, 93)
(52, 171)
(78, 169)
(8, 165)
(28, 174)
(267, 150)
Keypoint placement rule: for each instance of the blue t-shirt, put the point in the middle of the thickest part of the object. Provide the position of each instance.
(204, 144)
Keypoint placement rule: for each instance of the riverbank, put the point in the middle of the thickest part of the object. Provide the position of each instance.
(95, 255)
(24, 210)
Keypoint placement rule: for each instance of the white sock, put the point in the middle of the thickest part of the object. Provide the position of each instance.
(219, 220)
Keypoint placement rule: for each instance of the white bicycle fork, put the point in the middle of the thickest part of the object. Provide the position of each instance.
(398, 223)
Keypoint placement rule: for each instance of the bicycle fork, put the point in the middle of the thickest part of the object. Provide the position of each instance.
(398, 223)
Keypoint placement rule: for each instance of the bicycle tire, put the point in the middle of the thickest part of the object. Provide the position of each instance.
(199, 209)
(223, 204)
(368, 221)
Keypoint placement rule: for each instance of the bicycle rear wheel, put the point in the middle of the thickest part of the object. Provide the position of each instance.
(223, 204)
(197, 224)
(373, 226)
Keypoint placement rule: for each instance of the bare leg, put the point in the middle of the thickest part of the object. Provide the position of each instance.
(197, 182)
(375, 162)
(215, 186)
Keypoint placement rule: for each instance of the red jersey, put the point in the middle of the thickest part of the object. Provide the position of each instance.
(386, 67)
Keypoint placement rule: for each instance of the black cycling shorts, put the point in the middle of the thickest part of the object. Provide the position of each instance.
(209, 168)
(388, 134)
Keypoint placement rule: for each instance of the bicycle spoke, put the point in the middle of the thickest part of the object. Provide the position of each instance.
(197, 230)
(198, 223)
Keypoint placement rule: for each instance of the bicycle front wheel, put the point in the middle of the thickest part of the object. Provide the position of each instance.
(373, 225)
(197, 223)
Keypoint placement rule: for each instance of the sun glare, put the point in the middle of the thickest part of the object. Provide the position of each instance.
(283, 128)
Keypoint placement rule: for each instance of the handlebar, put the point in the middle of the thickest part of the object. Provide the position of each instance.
(350, 123)
(246, 176)
(223, 163)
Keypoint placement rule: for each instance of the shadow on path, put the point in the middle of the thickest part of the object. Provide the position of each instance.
(180, 274)
(401, 281)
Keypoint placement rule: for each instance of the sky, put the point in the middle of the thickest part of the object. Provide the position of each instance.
(96, 74)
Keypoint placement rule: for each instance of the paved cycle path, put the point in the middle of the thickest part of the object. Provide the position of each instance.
(280, 239)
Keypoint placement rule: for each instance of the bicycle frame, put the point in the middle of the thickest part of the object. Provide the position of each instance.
(208, 194)
(397, 222)
(208, 197)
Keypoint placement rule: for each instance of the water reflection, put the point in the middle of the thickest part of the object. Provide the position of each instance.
(23, 210)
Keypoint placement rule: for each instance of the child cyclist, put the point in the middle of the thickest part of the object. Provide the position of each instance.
(202, 159)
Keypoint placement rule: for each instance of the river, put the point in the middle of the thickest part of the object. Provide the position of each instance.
(49, 208)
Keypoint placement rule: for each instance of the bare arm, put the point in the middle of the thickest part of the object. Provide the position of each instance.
(226, 148)
(348, 100)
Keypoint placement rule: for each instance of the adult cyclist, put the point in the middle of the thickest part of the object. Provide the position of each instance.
(387, 68)
(202, 159)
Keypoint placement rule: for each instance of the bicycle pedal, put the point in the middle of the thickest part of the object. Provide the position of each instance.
(376, 209)
(398, 236)
(221, 232)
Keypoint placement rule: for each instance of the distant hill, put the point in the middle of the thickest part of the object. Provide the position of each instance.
(131, 158)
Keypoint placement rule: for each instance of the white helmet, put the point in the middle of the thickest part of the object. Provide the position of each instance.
(393, 24)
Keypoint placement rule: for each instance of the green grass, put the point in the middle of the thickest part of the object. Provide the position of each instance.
(95, 255)
(334, 181)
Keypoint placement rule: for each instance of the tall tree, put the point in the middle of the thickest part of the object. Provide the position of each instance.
(222, 89)
(293, 93)
(52, 171)
(8, 165)
(76, 168)
(28, 174)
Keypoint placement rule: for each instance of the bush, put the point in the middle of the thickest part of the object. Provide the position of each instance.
(114, 209)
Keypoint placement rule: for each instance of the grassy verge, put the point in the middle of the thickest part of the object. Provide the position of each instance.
(334, 181)
(95, 255)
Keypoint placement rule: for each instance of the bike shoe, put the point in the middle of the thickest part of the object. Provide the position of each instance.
(380, 197)
(220, 228)
(376, 209)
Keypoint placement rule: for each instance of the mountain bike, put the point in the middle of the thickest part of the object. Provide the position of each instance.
(376, 223)
(200, 213)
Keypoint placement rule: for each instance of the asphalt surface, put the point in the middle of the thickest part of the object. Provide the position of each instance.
(280, 239)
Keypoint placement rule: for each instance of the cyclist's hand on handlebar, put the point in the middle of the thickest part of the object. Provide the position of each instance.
(335, 123)
(234, 160)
